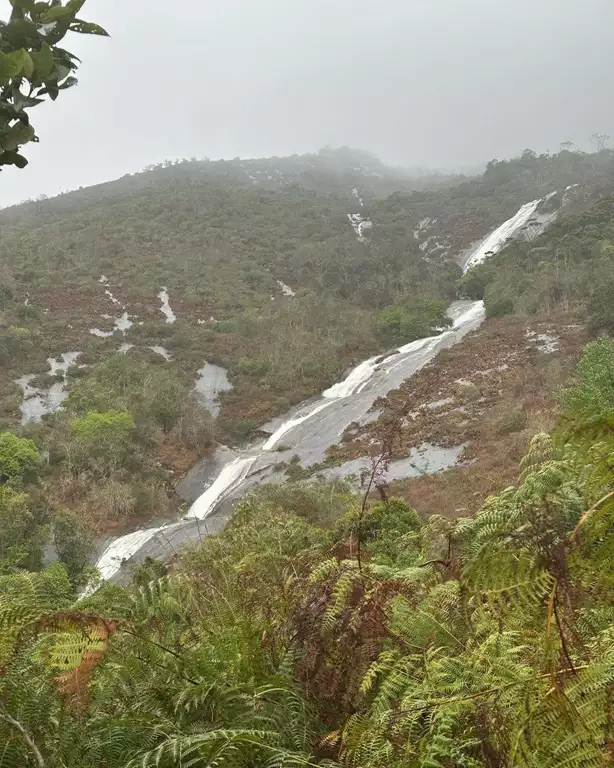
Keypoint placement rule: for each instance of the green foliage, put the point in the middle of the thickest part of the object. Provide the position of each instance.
(570, 264)
(110, 429)
(73, 544)
(102, 440)
(474, 282)
(18, 457)
(475, 642)
(601, 306)
(33, 66)
(498, 300)
(591, 397)
(321, 504)
(151, 394)
(404, 325)
(23, 531)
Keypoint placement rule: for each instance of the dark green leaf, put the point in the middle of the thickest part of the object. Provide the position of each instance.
(51, 90)
(27, 69)
(23, 5)
(10, 66)
(18, 134)
(68, 83)
(43, 61)
(21, 33)
(75, 5)
(59, 72)
(88, 28)
(21, 102)
(19, 160)
(13, 158)
(58, 12)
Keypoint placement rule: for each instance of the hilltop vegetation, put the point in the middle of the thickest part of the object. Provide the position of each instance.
(222, 243)
(221, 249)
(470, 208)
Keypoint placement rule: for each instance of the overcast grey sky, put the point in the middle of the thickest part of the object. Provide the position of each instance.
(439, 83)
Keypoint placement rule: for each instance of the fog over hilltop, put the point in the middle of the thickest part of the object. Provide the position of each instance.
(444, 84)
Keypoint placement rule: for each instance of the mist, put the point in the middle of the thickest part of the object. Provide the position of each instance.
(446, 84)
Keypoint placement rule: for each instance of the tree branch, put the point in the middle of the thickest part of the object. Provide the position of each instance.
(26, 737)
(587, 514)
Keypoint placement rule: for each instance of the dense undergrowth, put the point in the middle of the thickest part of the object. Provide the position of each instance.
(321, 628)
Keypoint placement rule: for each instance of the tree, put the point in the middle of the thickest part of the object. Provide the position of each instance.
(33, 66)
(18, 456)
(601, 307)
(417, 322)
(599, 140)
(23, 535)
(73, 544)
(102, 440)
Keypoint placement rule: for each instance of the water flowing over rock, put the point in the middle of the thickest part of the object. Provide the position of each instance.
(285, 289)
(166, 308)
(425, 459)
(359, 225)
(122, 324)
(39, 401)
(497, 240)
(162, 352)
(311, 428)
(306, 431)
(212, 381)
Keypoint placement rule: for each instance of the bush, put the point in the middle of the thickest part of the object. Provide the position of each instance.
(18, 456)
(601, 307)
(252, 366)
(474, 282)
(23, 533)
(102, 440)
(513, 420)
(403, 325)
(496, 303)
(73, 544)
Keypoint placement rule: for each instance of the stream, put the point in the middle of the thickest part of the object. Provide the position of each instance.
(305, 431)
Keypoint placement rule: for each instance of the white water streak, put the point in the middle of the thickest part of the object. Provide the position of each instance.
(166, 308)
(290, 424)
(497, 239)
(229, 477)
(122, 549)
(357, 377)
(285, 289)
(234, 472)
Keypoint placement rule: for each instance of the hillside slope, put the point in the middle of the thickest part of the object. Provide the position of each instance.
(130, 295)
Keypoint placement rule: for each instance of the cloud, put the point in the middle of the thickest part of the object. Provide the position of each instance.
(438, 83)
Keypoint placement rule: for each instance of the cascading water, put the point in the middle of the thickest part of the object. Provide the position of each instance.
(497, 239)
(229, 477)
(290, 424)
(308, 434)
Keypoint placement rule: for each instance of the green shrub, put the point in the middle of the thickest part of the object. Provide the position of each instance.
(18, 457)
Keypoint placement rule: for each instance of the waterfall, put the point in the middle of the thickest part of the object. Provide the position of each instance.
(403, 362)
